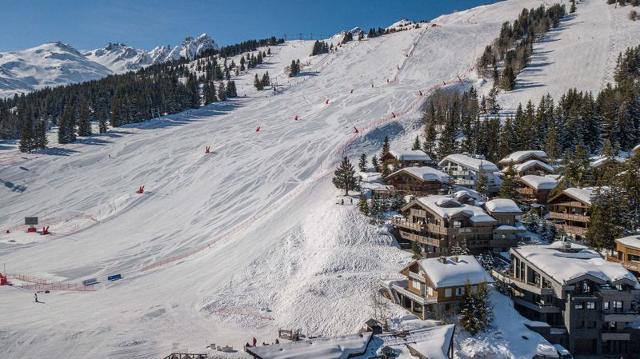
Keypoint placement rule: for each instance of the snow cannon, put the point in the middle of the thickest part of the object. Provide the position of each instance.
(140, 190)
(207, 149)
(45, 231)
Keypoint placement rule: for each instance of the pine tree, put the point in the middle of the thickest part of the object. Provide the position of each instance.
(508, 187)
(222, 92)
(344, 177)
(257, 83)
(508, 78)
(265, 79)
(416, 144)
(385, 146)
(66, 126)
(606, 222)
(363, 206)
(573, 6)
(41, 140)
(375, 164)
(481, 182)
(428, 146)
(26, 136)
(362, 165)
(231, 89)
(84, 123)
(467, 310)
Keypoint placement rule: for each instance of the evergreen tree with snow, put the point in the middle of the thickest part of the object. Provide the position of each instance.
(416, 144)
(84, 123)
(66, 126)
(362, 165)
(508, 187)
(344, 177)
(482, 182)
(40, 132)
(231, 89)
(429, 144)
(363, 206)
(606, 222)
(375, 164)
(385, 146)
(222, 92)
(26, 136)
(265, 79)
(257, 83)
(467, 311)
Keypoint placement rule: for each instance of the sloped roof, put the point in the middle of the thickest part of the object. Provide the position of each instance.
(539, 182)
(519, 156)
(475, 164)
(424, 173)
(341, 347)
(454, 272)
(502, 205)
(583, 195)
(412, 155)
(448, 207)
(630, 241)
(435, 344)
(521, 167)
(565, 266)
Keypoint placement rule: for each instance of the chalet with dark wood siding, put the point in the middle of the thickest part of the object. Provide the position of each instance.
(570, 210)
(434, 287)
(395, 160)
(533, 189)
(419, 181)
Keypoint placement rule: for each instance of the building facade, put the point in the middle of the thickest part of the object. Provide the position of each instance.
(419, 181)
(586, 301)
(570, 211)
(466, 170)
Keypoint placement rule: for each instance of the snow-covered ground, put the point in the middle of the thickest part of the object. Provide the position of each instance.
(580, 53)
(234, 244)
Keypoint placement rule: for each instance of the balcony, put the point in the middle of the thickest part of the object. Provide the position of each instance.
(420, 227)
(414, 297)
(569, 217)
(621, 317)
(423, 239)
(606, 336)
(578, 231)
(538, 307)
(529, 287)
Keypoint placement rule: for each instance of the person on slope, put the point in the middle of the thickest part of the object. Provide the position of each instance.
(35, 295)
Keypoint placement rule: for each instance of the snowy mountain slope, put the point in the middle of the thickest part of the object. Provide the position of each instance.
(233, 244)
(581, 53)
(51, 64)
(120, 58)
(56, 64)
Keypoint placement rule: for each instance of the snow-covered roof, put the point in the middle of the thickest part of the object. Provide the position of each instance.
(508, 228)
(469, 162)
(599, 161)
(636, 149)
(341, 347)
(565, 265)
(455, 272)
(539, 182)
(521, 167)
(583, 195)
(425, 173)
(435, 345)
(412, 155)
(502, 205)
(448, 207)
(630, 241)
(520, 156)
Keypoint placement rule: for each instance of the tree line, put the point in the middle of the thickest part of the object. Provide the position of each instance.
(116, 100)
(510, 51)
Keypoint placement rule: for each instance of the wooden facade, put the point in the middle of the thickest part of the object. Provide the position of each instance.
(436, 234)
(530, 195)
(405, 183)
(396, 162)
(628, 254)
(569, 214)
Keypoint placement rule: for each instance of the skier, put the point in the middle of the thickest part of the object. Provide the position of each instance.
(355, 129)
(326, 102)
(351, 90)
(342, 201)
(296, 118)
(351, 200)
(36, 297)
(258, 129)
(420, 92)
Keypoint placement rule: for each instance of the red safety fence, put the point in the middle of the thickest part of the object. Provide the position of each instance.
(38, 284)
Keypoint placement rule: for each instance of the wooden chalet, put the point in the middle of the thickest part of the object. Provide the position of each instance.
(434, 287)
(419, 181)
(395, 160)
(438, 222)
(519, 157)
(628, 253)
(570, 211)
(534, 189)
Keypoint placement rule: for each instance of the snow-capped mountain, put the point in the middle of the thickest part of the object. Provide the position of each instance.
(120, 58)
(50, 64)
(55, 64)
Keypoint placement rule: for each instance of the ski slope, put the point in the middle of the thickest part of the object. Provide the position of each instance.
(237, 243)
(581, 53)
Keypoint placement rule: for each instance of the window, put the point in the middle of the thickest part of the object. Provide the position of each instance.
(416, 284)
(605, 305)
(447, 292)
(617, 306)
(459, 291)
(578, 306)
(591, 305)
(430, 291)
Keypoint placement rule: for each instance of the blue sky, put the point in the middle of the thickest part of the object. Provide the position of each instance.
(147, 23)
